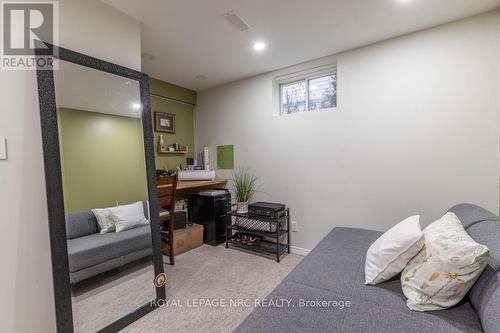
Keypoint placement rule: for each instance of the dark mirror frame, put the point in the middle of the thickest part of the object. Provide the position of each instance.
(54, 188)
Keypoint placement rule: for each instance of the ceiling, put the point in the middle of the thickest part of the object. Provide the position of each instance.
(87, 89)
(189, 38)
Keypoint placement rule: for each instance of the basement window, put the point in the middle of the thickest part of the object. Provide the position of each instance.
(308, 91)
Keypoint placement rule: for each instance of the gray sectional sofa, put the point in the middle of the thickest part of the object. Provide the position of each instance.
(90, 253)
(334, 270)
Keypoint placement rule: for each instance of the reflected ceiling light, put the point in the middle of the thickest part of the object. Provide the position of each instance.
(259, 46)
(136, 106)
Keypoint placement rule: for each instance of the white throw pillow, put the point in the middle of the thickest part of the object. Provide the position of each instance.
(446, 268)
(105, 220)
(129, 216)
(389, 254)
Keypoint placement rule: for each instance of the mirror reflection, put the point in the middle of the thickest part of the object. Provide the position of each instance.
(105, 194)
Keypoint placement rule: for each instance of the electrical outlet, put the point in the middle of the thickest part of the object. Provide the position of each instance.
(3, 148)
(295, 226)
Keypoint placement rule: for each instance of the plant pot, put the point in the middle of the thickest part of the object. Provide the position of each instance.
(242, 207)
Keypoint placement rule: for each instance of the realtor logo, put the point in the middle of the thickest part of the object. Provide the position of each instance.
(25, 26)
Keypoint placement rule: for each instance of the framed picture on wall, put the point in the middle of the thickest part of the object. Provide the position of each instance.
(164, 122)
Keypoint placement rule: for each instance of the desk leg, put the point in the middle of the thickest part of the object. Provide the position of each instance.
(171, 236)
(228, 217)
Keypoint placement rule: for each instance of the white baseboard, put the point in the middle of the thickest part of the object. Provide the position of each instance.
(298, 250)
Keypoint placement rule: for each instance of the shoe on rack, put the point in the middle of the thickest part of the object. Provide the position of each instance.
(237, 237)
(251, 240)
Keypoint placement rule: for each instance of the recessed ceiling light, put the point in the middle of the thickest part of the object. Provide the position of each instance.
(148, 56)
(259, 46)
(136, 106)
(201, 77)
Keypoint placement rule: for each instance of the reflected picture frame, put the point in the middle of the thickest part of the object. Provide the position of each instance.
(54, 186)
(164, 122)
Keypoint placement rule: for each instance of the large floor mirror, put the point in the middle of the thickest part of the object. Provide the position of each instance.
(101, 193)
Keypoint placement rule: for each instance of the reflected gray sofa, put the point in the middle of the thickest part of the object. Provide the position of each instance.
(334, 270)
(90, 253)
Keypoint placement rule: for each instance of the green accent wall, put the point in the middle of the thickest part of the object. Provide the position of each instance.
(184, 131)
(102, 159)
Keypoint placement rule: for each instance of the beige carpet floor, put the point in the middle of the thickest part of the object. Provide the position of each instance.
(105, 299)
(213, 273)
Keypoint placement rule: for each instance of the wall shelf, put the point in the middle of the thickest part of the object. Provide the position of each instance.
(175, 152)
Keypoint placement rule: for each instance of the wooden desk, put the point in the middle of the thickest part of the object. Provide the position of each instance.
(189, 184)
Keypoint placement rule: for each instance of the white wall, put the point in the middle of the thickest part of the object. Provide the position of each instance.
(27, 303)
(415, 132)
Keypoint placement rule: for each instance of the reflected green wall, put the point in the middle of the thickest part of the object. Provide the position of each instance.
(102, 156)
(102, 160)
(184, 132)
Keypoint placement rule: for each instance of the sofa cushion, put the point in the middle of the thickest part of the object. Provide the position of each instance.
(361, 315)
(334, 271)
(488, 233)
(80, 224)
(108, 265)
(484, 296)
(294, 317)
(87, 251)
(337, 262)
(470, 214)
(375, 316)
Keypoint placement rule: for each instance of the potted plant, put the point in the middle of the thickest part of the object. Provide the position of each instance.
(244, 189)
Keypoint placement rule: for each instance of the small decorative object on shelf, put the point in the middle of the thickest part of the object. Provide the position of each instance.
(258, 233)
(170, 149)
(244, 189)
(161, 143)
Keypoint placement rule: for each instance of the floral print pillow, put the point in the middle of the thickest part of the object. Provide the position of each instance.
(445, 269)
(105, 220)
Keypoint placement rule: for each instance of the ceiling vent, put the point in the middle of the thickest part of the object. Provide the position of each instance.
(237, 21)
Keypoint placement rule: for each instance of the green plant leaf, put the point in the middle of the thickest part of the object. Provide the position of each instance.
(244, 185)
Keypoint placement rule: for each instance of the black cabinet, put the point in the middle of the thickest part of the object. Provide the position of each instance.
(209, 208)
